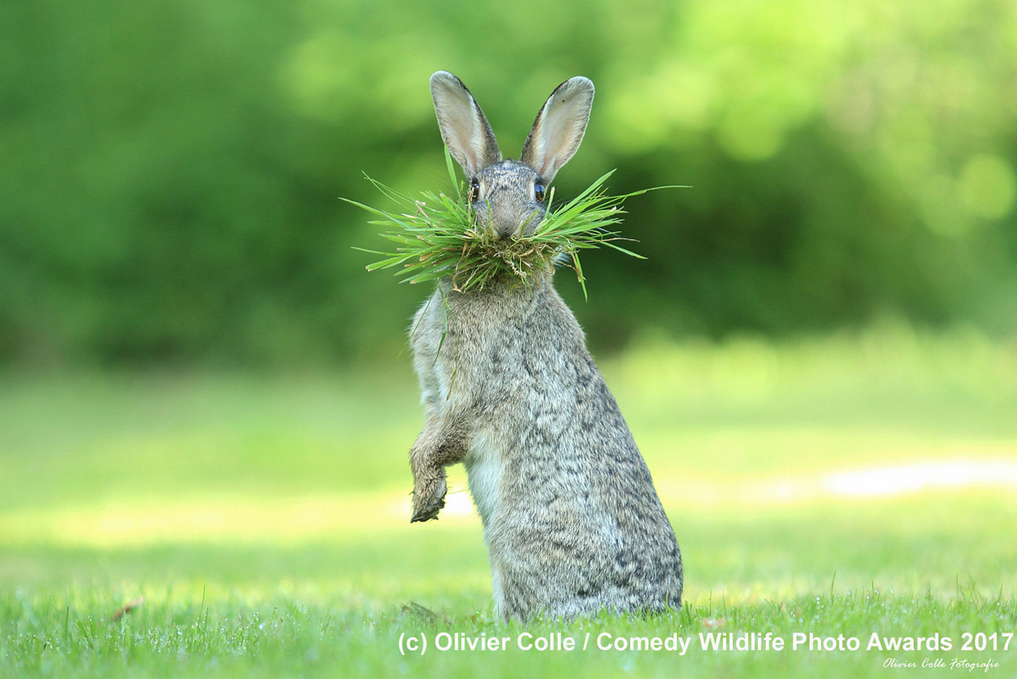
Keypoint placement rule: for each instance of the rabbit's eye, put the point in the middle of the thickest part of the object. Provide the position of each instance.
(538, 191)
(474, 191)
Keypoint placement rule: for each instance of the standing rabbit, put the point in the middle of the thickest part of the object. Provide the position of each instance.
(572, 522)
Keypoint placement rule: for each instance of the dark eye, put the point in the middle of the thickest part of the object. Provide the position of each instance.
(538, 190)
(474, 191)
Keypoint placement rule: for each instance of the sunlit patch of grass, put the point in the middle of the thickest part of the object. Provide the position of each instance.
(86, 438)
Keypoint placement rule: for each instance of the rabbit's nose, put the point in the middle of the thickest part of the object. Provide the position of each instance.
(513, 229)
(515, 223)
(505, 223)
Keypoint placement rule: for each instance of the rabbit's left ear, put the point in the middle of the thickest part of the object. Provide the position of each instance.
(559, 127)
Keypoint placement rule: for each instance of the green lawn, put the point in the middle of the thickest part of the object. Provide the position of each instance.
(258, 525)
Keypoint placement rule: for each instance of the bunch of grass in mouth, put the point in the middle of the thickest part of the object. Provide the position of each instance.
(439, 236)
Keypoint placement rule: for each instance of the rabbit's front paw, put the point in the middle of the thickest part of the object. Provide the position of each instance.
(428, 500)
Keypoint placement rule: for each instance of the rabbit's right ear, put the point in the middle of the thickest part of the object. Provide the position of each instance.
(559, 127)
(464, 128)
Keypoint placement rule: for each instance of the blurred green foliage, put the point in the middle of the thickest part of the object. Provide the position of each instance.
(170, 170)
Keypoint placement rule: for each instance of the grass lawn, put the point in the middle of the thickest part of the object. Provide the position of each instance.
(237, 525)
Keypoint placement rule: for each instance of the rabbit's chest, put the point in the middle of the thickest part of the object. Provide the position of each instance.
(485, 465)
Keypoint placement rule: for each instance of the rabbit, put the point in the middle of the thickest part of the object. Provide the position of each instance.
(571, 519)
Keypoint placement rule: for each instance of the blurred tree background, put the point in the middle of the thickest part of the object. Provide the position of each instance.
(170, 170)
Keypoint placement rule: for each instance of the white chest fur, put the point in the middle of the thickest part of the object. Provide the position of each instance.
(484, 468)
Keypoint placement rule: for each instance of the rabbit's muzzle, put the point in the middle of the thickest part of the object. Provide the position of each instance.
(507, 205)
(508, 223)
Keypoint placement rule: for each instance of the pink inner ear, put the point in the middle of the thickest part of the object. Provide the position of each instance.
(559, 128)
(558, 132)
(463, 127)
(458, 123)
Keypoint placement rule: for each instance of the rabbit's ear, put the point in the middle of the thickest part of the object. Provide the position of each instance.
(463, 126)
(559, 127)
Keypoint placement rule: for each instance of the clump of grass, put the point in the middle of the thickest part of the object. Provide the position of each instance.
(438, 236)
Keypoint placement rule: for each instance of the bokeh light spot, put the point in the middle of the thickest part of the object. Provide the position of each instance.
(750, 135)
(988, 186)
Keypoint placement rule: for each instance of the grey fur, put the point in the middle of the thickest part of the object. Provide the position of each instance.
(572, 522)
